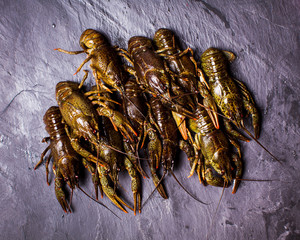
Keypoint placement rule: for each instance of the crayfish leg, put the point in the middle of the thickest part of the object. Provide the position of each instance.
(212, 110)
(42, 157)
(202, 78)
(118, 121)
(83, 152)
(95, 176)
(89, 57)
(83, 79)
(47, 168)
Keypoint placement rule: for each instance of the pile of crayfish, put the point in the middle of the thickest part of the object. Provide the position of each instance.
(147, 103)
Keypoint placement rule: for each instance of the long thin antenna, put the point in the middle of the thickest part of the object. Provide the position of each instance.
(251, 136)
(97, 201)
(172, 173)
(159, 182)
(256, 180)
(213, 218)
(119, 151)
(176, 179)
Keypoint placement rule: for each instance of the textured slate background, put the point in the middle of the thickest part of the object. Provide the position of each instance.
(265, 37)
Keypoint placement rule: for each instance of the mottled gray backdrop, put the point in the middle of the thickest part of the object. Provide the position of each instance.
(265, 37)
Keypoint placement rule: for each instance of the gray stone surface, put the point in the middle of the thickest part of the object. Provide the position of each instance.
(265, 37)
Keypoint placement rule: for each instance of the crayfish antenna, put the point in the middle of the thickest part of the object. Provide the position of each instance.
(176, 179)
(97, 201)
(163, 176)
(119, 151)
(213, 218)
(257, 180)
(262, 146)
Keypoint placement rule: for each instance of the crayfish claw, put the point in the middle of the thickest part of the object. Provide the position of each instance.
(157, 183)
(61, 196)
(135, 184)
(181, 124)
(109, 191)
(238, 164)
(137, 203)
(118, 121)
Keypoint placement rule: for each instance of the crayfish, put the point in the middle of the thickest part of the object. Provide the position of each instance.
(186, 73)
(152, 75)
(231, 95)
(105, 64)
(215, 163)
(66, 160)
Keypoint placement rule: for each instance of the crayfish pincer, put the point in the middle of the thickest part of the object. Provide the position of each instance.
(231, 95)
(65, 160)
